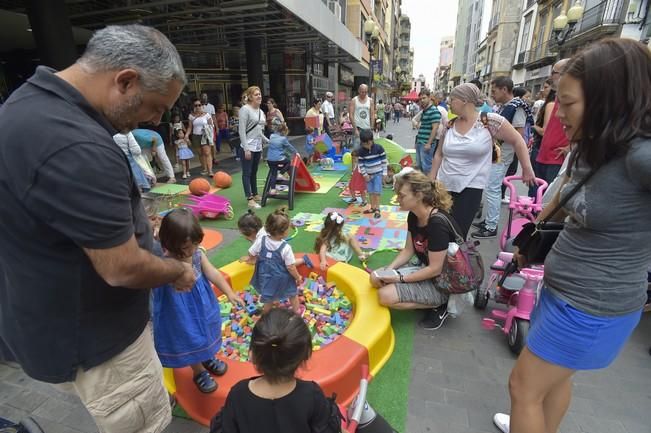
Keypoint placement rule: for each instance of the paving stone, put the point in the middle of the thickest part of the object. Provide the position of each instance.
(50, 426)
(11, 413)
(8, 391)
(447, 414)
(80, 419)
(55, 410)
(593, 424)
(27, 400)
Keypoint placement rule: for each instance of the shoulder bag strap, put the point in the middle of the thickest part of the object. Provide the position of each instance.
(457, 237)
(568, 196)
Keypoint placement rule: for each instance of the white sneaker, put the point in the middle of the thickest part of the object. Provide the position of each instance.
(171, 180)
(502, 421)
(506, 199)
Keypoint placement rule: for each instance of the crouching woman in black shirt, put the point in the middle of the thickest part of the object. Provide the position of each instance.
(277, 402)
(429, 234)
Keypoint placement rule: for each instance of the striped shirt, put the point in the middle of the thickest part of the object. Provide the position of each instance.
(372, 161)
(431, 115)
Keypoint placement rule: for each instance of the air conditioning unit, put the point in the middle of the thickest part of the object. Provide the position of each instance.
(335, 8)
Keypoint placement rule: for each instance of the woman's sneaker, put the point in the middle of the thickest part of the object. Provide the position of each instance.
(502, 421)
(435, 318)
(253, 204)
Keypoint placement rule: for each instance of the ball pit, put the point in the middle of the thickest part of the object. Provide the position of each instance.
(336, 367)
(327, 313)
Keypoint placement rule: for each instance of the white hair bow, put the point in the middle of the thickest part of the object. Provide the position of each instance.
(334, 216)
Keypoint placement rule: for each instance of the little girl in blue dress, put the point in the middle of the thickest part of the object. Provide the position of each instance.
(187, 325)
(275, 277)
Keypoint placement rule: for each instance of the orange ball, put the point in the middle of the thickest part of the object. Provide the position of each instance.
(199, 186)
(222, 179)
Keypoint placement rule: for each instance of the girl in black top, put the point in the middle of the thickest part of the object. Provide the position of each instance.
(277, 402)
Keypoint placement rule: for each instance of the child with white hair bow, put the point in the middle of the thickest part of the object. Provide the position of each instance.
(334, 243)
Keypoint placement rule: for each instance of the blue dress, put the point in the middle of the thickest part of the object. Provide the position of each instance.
(271, 279)
(187, 325)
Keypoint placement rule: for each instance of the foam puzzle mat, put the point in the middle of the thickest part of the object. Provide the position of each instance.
(389, 231)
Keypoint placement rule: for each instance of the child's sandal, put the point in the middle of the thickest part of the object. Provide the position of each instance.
(369, 211)
(215, 366)
(205, 383)
(377, 214)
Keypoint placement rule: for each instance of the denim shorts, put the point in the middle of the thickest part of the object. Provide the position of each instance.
(374, 184)
(563, 335)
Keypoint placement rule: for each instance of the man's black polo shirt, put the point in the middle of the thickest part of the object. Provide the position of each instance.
(64, 185)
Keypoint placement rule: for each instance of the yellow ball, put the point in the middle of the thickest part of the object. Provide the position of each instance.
(347, 159)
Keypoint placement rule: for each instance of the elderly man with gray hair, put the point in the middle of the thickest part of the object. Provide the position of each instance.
(328, 111)
(75, 263)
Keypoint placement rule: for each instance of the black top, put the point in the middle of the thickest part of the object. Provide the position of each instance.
(304, 410)
(64, 185)
(435, 236)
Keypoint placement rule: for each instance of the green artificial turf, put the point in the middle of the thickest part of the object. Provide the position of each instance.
(388, 392)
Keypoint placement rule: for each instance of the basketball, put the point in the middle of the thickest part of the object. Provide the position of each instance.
(222, 179)
(199, 186)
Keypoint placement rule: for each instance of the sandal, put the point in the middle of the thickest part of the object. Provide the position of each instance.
(205, 382)
(377, 214)
(369, 211)
(215, 366)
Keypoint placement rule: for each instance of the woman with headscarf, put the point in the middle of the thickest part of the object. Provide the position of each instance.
(463, 159)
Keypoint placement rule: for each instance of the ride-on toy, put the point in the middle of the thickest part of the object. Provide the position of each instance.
(522, 210)
(211, 206)
(360, 416)
(523, 289)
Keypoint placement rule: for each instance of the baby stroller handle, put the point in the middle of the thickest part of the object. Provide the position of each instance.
(542, 186)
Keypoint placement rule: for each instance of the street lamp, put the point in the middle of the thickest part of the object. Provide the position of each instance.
(564, 24)
(372, 32)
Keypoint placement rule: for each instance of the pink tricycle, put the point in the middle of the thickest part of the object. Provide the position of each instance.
(211, 206)
(522, 210)
(522, 291)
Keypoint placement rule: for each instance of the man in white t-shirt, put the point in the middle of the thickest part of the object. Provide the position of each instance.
(328, 111)
(362, 112)
(207, 107)
(502, 93)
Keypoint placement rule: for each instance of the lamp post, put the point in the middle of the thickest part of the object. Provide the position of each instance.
(372, 32)
(565, 24)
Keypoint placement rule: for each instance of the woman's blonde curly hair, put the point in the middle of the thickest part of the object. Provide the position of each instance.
(433, 191)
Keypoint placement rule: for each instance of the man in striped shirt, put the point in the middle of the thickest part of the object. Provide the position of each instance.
(426, 138)
(372, 163)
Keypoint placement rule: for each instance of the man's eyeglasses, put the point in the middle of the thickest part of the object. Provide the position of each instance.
(197, 105)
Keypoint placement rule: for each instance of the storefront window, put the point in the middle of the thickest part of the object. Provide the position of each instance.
(296, 103)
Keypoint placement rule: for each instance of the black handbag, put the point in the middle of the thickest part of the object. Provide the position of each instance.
(535, 240)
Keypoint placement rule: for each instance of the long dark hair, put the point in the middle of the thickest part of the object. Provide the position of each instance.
(551, 97)
(615, 75)
(331, 233)
(177, 228)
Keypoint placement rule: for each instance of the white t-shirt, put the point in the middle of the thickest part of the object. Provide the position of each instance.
(127, 142)
(508, 151)
(327, 109)
(467, 158)
(272, 245)
(209, 108)
(199, 123)
(181, 143)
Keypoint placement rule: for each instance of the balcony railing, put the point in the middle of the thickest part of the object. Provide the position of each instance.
(530, 3)
(539, 52)
(606, 12)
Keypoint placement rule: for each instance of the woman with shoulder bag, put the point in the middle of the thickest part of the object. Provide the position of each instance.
(251, 132)
(428, 238)
(200, 124)
(462, 161)
(595, 273)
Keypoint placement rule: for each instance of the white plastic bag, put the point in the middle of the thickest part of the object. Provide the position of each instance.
(458, 303)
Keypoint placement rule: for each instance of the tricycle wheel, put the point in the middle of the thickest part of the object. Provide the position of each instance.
(229, 215)
(518, 335)
(481, 298)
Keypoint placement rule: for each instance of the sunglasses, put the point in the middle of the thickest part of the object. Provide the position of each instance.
(197, 105)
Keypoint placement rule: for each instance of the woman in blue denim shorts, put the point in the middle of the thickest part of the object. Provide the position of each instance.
(595, 274)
